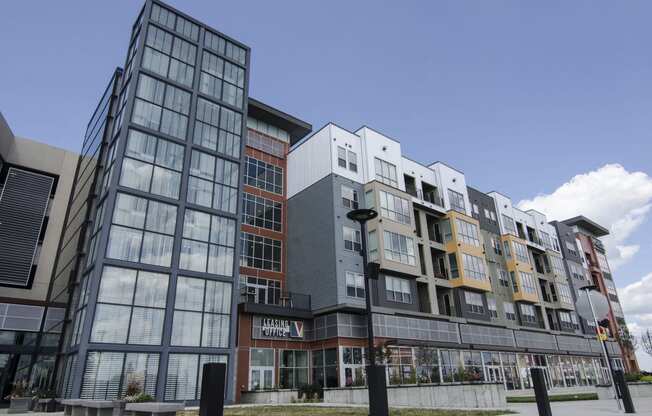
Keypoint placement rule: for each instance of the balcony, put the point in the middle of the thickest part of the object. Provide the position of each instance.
(428, 194)
(279, 303)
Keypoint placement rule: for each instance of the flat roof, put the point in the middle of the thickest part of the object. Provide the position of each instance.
(296, 128)
(591, 226)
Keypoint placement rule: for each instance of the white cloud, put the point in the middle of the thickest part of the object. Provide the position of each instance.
(611, 196)
(636, 300)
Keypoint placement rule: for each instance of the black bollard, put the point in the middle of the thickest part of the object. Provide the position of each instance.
(623, 391)
(540, 391)
(377, 385)
(213, 381)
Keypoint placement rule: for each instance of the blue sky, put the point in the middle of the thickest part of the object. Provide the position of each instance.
(521, 96)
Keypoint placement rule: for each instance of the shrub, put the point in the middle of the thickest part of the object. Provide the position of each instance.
(311, 391)
(633, 376)
(139, 398)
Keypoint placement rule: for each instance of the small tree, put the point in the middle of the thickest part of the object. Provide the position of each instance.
(646, 341)
(627, 339)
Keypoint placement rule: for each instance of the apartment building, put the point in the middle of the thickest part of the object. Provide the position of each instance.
(594, 258)
(470, 287)
(35, 183)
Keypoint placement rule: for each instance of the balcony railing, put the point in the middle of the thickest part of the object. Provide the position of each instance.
(282, 299)
(431, 196)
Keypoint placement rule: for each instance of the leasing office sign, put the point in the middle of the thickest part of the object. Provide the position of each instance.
(277, 328)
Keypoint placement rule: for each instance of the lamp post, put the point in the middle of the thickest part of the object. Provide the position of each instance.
(376, 384)
(587, 289)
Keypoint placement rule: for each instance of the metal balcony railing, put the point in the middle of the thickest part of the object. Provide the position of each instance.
(281, 298)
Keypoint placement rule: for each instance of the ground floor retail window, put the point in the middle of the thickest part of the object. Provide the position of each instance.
(293, 369)
(107, 374)
(184, 375)
(261, 368)
(353, 371)
(324, 367)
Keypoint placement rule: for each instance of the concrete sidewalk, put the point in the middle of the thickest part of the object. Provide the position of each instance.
(584, 408)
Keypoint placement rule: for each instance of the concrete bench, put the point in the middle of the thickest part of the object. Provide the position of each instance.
(98, 407)
(153, 409)
(72, 407)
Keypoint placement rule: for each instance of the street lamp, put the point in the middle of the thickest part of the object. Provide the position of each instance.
(375, 375)
(587, 290)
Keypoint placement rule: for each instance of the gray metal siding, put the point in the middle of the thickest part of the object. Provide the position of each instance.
(23, 203)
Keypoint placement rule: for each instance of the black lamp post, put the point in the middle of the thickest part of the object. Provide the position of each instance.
(375, 374)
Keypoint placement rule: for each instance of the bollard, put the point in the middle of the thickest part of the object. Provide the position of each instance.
(623, 391)
(213, 382)
(377, 386)
(540, 391)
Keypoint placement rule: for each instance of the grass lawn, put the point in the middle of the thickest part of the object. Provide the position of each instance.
(554, 398)
(348, 411)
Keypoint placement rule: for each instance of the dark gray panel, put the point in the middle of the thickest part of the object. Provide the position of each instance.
(486, 335)
(568, 343)
(538, 340)
(23, 204)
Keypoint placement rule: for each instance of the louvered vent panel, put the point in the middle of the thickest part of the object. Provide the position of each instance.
(23, 203)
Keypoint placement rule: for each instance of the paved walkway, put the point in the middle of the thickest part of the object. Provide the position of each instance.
(584, 408)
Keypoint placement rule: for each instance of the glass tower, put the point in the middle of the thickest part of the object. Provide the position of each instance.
(153, 295)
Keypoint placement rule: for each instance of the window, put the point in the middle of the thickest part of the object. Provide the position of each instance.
(557, 265)
(217, 128)
(261, 368)
(476, 209)
(152, 165)
(399, 248)
(202, 311)
(260, 252)
(162, 107)
(107, 374)
(130, 307)
(503, 279)
(574, 321)
(497, 246)
(213, 182)
(349, 197)
(527, 313)
(520, 251)
(184, 375)
(456, 201)
(221, 79)
(225, 47)
(572, 249)
(341, 157)
(372, 243)
(261, 212)
(208, 243)
(293, 369)
(169, 56)
(564, 293)
(510, 314)
(452, 259)
(398, 290)
(508, 224)
(474, 302)
(354, 285)
(386, 172)
(474, 267)
(577, 271)
(528, 283)
(467, 232)
(142, 231)
(491, 305)
(324, 367)
(353, 366)
(565, 319)
(493, 216)
(353, 161)
(259, 290)
(555, 244)
(394, 208)
(545, 237)
(602, 261)
(177, 23)
(351, 239)
(263, 175)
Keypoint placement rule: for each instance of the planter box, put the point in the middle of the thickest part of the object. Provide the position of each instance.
(20, 405)
(153, 409)
(47, 405)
